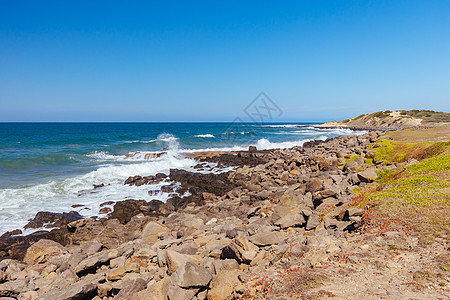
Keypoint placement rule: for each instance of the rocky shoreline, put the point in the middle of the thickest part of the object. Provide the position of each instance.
(275, 227)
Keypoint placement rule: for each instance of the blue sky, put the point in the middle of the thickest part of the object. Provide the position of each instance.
(206, 60)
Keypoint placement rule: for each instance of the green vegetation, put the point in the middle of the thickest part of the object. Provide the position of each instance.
(390, 151)
(415, 198)
(427, 115)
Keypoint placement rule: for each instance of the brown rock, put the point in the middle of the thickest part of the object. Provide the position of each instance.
(152, 230)
(190, 275)
(368, 175)
(155, 291)
(43, 250)
(313, 222)
(266, 238)
(314, 185)
(222, 285)
(174, 260)
(126, 209)
(130, 288)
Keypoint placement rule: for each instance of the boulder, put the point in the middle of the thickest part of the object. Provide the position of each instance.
(154, 291)
(222, 285)
(292, 219)
(314, 185)
(83, 289)
(130, 288)
(151, 231)
(177, 293)
(13, 288)
(50, 219)
(352, 166)
(190, 275)
(369, 175)
(126, 209)
(96, 260)
(313, 222)
(43, 250)
(174, 260)
(91, 247)
(355, 212)
(266, 238)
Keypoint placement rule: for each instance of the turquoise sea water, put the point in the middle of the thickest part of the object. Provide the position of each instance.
(50, 166)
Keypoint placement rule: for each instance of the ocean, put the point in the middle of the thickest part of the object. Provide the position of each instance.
(52, 166)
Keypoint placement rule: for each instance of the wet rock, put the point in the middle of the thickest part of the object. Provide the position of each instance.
(154, 204)
(107, 203)
(50, 220)
(12, 232)
(104, 210)
(126, 209)
(217, 184)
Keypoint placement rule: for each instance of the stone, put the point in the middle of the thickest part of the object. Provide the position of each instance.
(293, 219)
(328, 193)
(369, 175)
(94, 261)
(355, 212)
(225, 264)
(13, 288)
(351, 166)
(177, 293)
(50, 219)
(266, 238)
(130, 288)
(354, 179)
(313, 222)
(314, 185)
(43, 250)
(91, 247)
(174, 260)
(155, 291)
(83, 289)
(232, 251)
(222, 285)
(190, 275)
(126, 209)
(116, 274)
(285, 176)
(152, 230)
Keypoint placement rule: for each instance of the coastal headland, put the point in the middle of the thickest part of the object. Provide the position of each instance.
(362, 216)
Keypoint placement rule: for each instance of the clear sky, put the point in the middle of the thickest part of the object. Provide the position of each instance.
(205, 61)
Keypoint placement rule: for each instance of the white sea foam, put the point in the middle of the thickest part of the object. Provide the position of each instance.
(19, 205)
(283, 126)
(205, 135)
